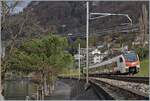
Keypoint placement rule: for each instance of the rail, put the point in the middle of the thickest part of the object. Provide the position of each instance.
(109, 91)
(134, 79)
(118, 92)
(100, 92)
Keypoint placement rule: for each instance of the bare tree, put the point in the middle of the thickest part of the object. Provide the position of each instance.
(7, 7)
(14, 26)
(143, 21)
(7, 25)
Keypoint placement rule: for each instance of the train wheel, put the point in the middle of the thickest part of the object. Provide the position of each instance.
(130, 74)
(118, 72)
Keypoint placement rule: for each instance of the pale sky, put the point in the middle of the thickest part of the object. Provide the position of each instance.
(20, 7)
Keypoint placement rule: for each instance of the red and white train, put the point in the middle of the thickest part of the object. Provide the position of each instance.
(125, 63)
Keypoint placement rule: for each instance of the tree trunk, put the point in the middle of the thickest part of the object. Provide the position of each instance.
(51, 85)
(42, 86)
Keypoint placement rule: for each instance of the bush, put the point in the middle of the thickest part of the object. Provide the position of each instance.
(142, 52)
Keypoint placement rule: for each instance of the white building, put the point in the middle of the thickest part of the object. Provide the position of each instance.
(95, 56)
(97, 59)
(96, 51)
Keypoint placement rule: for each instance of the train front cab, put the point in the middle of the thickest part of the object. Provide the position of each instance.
(133, 67)
(132, 63)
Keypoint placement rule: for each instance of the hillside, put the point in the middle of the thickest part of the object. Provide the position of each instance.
(69, 17)
(65, 17)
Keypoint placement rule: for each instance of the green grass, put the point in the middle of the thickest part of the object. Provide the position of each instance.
(144, 70)
(68, 72)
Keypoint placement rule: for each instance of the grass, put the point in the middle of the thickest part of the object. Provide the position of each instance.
(68, 72)
(144, 69)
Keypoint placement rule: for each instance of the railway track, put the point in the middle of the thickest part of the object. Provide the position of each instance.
(134, 79)
(97, 91)
(118, 92)
(100, 92)
(110, 89)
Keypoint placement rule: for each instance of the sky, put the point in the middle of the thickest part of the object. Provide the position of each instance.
(20, 7)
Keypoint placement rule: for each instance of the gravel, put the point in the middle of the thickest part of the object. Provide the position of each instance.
(139, 87)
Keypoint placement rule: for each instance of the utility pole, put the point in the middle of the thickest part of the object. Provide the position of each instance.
(1, 97)
(79, 61)
(87, 40)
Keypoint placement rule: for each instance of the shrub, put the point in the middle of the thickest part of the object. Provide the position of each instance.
(143, 52)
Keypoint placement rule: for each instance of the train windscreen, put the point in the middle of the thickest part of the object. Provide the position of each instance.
(131, 56)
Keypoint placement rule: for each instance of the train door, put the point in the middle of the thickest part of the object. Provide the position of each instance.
(121, 64)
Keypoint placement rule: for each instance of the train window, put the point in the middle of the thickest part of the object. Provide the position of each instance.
(120, 59)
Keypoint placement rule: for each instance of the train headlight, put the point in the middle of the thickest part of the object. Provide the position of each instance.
(138, 66)
(126, 66)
